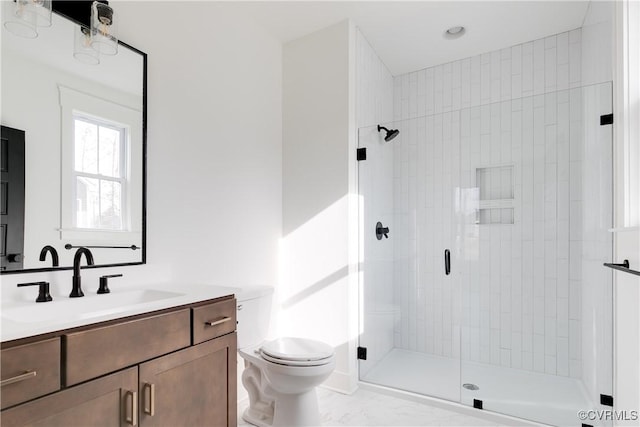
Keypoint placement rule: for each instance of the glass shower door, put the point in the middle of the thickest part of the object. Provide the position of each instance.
(410, 306)
(537, 302)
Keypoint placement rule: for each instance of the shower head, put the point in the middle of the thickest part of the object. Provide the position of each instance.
(391, 133)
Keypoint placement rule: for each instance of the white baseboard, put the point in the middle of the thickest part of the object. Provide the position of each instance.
(341, 382)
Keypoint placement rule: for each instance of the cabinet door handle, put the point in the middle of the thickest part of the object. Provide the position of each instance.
(24, 376)
(133, 418)
(217, 322)
(150, 394)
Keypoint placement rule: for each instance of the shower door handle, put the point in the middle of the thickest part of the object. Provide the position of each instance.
(447, 262)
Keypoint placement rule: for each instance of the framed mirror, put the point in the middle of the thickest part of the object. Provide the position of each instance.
(80, 127)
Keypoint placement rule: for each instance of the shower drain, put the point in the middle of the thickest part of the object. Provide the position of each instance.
(470, 386)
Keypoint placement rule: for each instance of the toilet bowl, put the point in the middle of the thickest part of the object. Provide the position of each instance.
(280, 375)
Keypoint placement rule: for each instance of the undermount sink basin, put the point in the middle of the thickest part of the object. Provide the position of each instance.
(87, 307)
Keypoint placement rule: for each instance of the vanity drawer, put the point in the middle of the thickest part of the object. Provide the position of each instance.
(214, 320)
(100, 351)
(30, 371)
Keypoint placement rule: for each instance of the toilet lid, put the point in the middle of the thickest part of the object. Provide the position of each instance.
(297, 350)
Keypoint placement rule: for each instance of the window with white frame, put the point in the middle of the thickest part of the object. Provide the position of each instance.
(99, 174)
(101, 168)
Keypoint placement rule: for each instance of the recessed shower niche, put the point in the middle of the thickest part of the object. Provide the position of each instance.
(497, 193)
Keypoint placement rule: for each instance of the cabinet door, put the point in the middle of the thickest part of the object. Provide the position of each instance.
(192, 387)
(108, 401)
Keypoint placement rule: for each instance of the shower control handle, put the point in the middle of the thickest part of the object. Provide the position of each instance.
(447, 262)
(381, 231)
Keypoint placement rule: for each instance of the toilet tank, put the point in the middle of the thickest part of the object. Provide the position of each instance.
(253, 315)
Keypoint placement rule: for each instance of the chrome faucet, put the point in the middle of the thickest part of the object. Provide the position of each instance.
(77, 285)
(54, 255)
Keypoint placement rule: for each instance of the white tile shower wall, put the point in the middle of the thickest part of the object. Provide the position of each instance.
(426, 167)
(521, 283)
(374, 86)
(533, 68)
(374, 97)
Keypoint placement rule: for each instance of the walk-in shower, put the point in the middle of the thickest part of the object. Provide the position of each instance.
(518, 191)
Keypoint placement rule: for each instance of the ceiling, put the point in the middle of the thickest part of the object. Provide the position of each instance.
(408, 35)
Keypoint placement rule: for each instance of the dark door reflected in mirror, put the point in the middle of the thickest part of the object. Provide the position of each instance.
(82, 131)
(12, 196)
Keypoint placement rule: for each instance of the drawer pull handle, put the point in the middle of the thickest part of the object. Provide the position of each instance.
(25, 376)
(151, 409)
(133, 418)
(217, 322)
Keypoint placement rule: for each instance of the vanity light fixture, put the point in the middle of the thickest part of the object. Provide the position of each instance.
(42, 10)
(97, 38)
(454, 32)
(82, 49)
(95, 35)
(103, 38)
(23, 17)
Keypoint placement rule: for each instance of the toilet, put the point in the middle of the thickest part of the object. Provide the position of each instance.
(281, 375)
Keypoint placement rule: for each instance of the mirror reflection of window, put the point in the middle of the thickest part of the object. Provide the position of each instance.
(99, 175)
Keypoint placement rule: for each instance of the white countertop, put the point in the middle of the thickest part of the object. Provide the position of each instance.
(22, 319)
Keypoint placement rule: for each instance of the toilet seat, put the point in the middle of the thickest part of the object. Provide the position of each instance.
(296, 363)
(297, 352)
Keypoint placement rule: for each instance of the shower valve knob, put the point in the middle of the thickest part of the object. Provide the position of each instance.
(381, 231)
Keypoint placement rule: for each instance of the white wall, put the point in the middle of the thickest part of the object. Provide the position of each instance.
(319, 253)
(214, 140)
(214, 149)
(627, 321)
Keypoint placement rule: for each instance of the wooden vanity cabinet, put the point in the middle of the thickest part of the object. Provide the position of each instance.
(107, 401)
(192, 387)
(98, 351)
(169, 380)
(29, 371)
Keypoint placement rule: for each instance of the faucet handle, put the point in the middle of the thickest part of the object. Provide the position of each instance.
(43, 290)
(104, 284)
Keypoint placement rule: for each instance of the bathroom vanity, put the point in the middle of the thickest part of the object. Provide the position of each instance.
(174, 365)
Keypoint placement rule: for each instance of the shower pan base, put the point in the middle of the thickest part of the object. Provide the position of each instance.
(503, 390)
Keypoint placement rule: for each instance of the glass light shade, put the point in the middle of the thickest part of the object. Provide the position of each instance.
(82, 49)
(103, 29)
(42, 11)
(20, 18)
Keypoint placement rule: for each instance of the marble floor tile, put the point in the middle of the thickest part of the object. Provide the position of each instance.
(368, 408)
